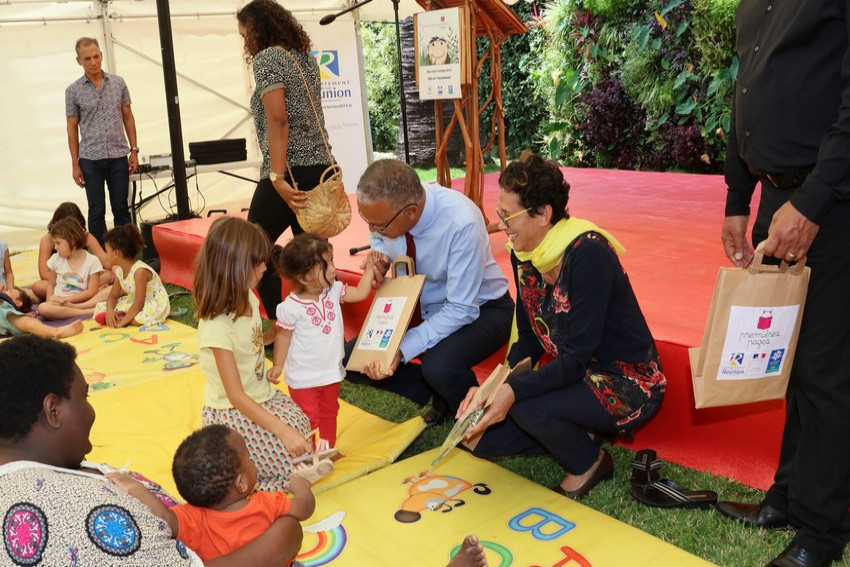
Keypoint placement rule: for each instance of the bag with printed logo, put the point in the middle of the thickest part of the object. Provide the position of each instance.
(389, 317)
(751, 334)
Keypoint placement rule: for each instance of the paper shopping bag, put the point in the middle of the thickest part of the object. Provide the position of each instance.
(389, 316)
(751, 333)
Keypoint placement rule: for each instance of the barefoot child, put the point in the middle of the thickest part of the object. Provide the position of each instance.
(16, 319)
(74, 274)
(214, 474)
(230, 335)
(309, 344)
(137, 296)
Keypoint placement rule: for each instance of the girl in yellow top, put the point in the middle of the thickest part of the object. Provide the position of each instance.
(230, 336)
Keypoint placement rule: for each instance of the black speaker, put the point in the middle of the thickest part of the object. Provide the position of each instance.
(149, 254)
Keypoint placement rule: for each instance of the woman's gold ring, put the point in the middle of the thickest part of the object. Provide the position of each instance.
(791, 255)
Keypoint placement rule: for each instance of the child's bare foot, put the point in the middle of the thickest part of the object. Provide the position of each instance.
(470, 554)
(69, 330)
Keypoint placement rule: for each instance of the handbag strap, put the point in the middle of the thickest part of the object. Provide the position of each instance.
(312, 105)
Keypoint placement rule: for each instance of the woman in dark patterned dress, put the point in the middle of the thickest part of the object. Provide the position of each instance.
(288, 132)
(576, 304)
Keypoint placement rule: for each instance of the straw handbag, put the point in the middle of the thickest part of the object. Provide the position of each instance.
(328, 211)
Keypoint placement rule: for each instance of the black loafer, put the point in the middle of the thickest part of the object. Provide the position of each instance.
(796, 556)
(437, 414)
(754, 515)
(605, 471)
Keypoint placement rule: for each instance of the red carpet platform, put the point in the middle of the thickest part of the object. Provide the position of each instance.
(670, 226)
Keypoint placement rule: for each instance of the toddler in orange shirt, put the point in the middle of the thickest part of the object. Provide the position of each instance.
(215, 475)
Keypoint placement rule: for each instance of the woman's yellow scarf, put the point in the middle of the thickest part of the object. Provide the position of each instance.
(550, 251)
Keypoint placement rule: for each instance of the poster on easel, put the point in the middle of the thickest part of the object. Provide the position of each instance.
(439, 40)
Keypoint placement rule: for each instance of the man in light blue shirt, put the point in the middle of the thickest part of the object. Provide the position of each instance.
(465, 305)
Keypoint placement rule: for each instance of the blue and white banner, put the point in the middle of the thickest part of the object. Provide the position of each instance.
(336, 52)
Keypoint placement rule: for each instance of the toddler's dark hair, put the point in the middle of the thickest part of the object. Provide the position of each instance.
(300, 255)
(205, 466)
(126, 239)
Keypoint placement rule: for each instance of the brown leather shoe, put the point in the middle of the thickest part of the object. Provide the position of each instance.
(438, 414)
(605, 471)
(796, 556)
(754, 515)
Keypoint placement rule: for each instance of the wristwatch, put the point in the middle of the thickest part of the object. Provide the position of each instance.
(275, 176)
(134, 149)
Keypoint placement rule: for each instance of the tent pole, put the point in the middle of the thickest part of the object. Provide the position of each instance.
(172, 103)
(401, 83)
(106, 28)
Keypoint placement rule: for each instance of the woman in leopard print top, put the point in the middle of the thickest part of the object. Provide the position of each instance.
(290, 137)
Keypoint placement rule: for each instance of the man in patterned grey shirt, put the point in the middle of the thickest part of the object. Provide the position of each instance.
(97, 107)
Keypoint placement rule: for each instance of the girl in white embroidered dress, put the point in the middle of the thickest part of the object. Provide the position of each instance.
(308, 347)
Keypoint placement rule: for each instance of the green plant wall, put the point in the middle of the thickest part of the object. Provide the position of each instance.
(641, 84)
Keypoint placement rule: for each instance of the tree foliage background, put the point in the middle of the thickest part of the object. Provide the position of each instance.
(633, 84)
(379, 53)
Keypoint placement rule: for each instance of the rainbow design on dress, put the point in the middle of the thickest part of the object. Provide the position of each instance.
(331, 538)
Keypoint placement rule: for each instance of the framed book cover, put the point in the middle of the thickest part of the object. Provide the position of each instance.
(440, 48)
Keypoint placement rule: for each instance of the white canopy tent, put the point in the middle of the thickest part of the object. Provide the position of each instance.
(214, 85)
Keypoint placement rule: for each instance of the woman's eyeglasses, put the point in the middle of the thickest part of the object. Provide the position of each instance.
(504, 219)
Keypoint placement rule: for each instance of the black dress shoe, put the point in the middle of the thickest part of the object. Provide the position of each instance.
(605, 471)
(796, 556)
(437, 414)
(754, 515)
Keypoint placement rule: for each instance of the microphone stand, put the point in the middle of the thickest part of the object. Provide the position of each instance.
(331, 17)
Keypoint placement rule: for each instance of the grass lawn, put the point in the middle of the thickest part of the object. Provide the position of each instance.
(429, 175)
(704, 533)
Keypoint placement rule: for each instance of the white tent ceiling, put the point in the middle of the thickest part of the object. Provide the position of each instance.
(29, 11)
(213, 82)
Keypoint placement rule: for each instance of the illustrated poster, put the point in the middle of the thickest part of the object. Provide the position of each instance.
(438, 54)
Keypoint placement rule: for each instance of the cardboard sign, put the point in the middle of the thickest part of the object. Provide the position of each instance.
(748, 346)
(389, 316)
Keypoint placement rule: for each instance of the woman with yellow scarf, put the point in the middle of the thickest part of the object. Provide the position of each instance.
(575, 303)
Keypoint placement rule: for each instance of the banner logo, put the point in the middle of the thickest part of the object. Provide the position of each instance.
(328, 61)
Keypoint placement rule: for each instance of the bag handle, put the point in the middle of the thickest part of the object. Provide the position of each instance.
(757, 264)
(330, 172)
(312, 105)
(406, 261)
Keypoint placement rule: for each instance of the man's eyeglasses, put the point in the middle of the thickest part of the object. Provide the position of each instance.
(504, 219)
(381, 228)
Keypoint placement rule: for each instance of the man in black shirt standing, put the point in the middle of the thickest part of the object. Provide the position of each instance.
(791, 132)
